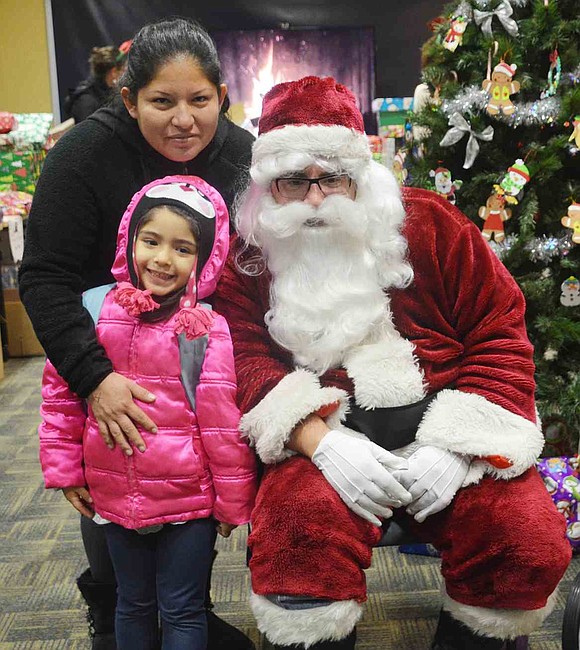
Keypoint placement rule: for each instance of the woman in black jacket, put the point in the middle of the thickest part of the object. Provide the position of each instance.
(107, 65)
(168, 119)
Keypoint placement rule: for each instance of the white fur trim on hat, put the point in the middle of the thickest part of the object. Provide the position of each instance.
(322, 141)
(305, 626)
(269, 424)
(470, 424)
(499, 623)
(503, 68)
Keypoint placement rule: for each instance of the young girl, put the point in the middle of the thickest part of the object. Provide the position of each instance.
(196, 470)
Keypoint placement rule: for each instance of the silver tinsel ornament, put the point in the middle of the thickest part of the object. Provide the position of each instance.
(539, 249)
(485, 4)
(536, 113)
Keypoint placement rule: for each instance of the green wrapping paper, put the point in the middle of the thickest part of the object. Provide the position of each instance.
(20, 168)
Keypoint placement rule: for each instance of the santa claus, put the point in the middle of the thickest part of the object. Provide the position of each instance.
(384, 369)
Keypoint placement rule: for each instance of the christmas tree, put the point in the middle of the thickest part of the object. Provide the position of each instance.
(499, 136)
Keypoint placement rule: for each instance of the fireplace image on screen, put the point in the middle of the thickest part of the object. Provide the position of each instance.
(255, 60)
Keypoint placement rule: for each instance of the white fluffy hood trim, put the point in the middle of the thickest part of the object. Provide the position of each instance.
(269, 424)
(323, 141)
(499, 623)
(470, 424)
(305, 626)
(385, 373)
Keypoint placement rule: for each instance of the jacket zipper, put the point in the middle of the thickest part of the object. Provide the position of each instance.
(131, 478)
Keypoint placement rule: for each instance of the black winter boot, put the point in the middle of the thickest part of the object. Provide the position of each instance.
(222, 635)
(344, 644)
(101, 598)
(451, 634)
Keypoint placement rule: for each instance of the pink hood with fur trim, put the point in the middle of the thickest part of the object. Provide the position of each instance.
(204, 204)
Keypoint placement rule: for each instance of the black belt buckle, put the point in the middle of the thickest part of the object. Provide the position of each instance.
(390, 427)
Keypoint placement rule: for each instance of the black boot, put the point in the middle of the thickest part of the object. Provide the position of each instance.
(451, 634)
(344, 644)
(101, 598)
(222, 635)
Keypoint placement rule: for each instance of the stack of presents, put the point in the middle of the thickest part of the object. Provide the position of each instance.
(393, 128)
(25, 139)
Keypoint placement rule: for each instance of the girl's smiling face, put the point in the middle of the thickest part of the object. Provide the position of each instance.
(165, 252)
(178, 110)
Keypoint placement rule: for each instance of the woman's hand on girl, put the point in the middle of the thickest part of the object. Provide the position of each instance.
(117, 414)
(80, 499)
(225, 529)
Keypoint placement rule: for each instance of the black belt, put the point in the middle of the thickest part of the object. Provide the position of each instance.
(391, 427)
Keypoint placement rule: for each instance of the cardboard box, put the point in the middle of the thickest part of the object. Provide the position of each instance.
(22, 341)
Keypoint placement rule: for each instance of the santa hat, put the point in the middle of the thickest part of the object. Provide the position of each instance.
(574, 207)
(312, 115)
(520, 168)
(503, 68)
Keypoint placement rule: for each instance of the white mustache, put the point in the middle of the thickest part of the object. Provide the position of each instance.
(337, 212)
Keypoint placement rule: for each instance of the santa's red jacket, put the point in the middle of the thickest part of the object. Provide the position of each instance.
(464, 315)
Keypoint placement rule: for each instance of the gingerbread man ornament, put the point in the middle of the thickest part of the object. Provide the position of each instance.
(501, 86)
(494, 213)
(572, 220)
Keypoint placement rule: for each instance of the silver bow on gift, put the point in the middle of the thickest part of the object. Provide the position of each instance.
(459, 127)
(503, 11)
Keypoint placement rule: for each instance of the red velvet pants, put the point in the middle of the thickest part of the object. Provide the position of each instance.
(502, 543)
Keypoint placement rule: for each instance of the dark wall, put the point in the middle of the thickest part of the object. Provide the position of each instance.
(400, 28)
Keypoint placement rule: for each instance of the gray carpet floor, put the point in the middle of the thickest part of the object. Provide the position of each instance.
(41, 554)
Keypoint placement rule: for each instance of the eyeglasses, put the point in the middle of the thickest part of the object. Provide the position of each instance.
(297, 188)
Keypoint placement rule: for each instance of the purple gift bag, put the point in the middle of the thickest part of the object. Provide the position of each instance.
(561, 478)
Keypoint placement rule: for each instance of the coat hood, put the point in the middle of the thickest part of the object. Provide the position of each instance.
(205, 205)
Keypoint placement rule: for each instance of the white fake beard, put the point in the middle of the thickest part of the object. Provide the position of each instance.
(326, 293)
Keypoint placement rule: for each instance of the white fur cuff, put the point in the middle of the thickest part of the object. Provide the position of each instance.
(470, 424)
(385, 373)
(305, 626)
(499, 623)
(269, 424)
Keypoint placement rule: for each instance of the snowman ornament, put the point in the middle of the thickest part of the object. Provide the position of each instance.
(570, 296)
(512, 184)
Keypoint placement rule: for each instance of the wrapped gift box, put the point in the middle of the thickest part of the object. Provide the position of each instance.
(20, 168)
(391, 115)
(32, 130)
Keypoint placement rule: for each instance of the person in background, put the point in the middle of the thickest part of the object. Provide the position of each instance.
(384, 370)
(198, 472)
(168, 119)
(107, 65)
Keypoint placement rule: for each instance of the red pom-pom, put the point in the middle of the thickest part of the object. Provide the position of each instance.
(194, 322)
(135, 301)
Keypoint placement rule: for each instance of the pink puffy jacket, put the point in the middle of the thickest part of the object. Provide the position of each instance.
(197, 465)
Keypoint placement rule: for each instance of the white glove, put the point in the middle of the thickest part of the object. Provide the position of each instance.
(360, 472)
(433, 477)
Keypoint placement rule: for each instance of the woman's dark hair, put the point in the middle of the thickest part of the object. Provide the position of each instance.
(103, 59)
(157, 43)
(171, 302)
